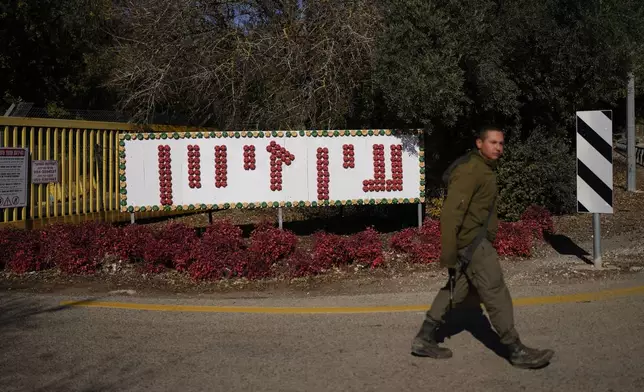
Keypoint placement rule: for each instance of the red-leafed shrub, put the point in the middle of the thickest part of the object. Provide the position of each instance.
(79, 249)
(269, 244)
(430, 248)
(366, 248)
(205, 270)
(133, 242)
(431, 229)
(421, 245)
(102, 236)
(6, 245)
(226, 265)
(331, 250)
(21, 251)
(302, 263)
(539, 220)
(223, 236)
(514, 239)
(403, 241)
(173, 246)
(220, 252)
(250, 265)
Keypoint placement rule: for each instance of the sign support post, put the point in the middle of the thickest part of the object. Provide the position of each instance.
(597, 240)
(630, 139)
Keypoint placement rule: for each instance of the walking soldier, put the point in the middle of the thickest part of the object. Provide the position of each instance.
(468, 227)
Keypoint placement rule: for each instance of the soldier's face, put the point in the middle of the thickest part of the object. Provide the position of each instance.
(491, 146)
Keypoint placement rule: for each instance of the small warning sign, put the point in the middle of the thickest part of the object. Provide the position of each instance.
(44, 172)
(14, 177)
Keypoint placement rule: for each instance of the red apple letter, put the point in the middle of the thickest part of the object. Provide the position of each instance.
(349, 158)
(379, 183)
(279, 156)
(221, 167)
(249, 157)
(323, 173)
(165, 176)
(194, 167)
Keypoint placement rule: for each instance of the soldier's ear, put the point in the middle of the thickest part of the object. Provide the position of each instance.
(479, 143)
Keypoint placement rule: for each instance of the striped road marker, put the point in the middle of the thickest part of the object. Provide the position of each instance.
(595, 169)
(595, 162)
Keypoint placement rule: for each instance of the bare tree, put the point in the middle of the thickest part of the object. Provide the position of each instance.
(266, 63)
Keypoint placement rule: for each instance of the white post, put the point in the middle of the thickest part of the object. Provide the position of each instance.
(597, 256)
(630, 140)
(280, 220)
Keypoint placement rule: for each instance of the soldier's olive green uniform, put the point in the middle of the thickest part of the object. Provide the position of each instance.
(471, 196)
(471, 193)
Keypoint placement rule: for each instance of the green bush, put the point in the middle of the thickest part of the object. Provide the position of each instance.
(540, 170)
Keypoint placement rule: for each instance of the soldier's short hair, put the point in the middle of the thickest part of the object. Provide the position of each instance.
(488, 128)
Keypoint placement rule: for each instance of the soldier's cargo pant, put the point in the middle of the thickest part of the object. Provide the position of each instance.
(485, 274)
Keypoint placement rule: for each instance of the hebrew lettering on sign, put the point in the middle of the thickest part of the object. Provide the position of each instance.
(218, 170)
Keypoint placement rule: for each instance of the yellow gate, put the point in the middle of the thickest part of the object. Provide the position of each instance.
(87, 157)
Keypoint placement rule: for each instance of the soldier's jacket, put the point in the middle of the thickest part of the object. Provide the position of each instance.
(470, 192)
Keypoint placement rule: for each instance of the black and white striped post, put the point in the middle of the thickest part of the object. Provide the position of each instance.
(595, 170)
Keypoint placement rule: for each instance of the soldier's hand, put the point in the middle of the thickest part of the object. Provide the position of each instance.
(447, 260)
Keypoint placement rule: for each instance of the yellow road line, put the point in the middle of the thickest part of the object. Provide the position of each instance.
(547, 300)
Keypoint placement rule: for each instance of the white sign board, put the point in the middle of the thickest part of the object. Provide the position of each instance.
(595, 161)
(220, 170)
(14, 166)
(44, 172)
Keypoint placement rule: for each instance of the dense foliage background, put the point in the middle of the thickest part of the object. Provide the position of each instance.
(445, 65)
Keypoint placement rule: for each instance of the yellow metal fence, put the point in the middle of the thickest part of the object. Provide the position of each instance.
(87, 156)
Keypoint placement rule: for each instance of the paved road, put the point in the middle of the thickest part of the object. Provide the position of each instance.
(599, 345)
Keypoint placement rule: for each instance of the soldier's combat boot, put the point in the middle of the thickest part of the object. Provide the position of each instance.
(525, 357)
(425, 345)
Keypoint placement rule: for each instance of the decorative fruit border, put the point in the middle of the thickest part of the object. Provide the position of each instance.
(262, 134)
